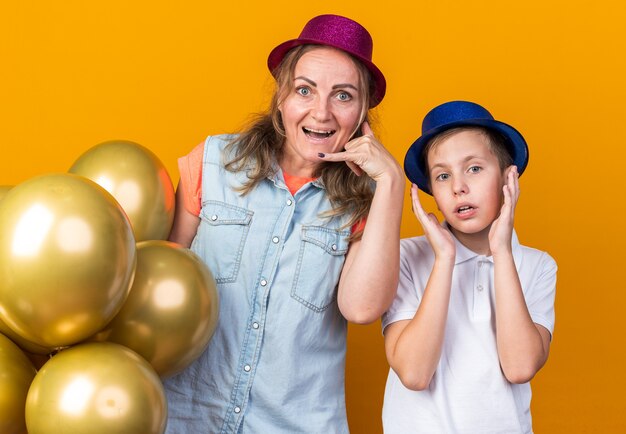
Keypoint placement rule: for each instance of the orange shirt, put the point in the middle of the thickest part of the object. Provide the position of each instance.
(190, 168)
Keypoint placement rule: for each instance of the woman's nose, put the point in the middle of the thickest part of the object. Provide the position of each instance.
(321, 110)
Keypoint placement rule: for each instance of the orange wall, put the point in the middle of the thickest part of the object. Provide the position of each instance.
(77, 73)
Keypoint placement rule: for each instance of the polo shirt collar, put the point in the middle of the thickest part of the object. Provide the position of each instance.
(464, 254)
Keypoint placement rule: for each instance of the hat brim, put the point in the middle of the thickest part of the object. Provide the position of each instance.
(278, 54)
(414, 164)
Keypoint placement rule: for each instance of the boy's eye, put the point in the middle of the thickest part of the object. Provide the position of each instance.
(475, 169)
(304, 91)
(442, 177)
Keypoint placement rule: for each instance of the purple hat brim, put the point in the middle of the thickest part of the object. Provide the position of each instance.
(414, 163)
(278, 54)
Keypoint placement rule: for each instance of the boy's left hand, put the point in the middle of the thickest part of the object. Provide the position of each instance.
(501, 230)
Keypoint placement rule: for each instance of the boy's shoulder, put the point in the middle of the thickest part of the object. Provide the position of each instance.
(535, 257)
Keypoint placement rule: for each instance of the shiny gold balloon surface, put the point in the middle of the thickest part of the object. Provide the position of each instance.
(4, 189)
(96, 388)
(16, 375)
(137, 179)
(25, 345)
(172, 310)
(67, 258)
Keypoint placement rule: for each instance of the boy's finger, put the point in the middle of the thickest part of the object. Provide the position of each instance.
(417, 205)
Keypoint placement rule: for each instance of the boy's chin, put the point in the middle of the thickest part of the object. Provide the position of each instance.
(469, 228)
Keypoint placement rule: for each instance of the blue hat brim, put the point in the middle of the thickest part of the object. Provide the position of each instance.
(414, 167)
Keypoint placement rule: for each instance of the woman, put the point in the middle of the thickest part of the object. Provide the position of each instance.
(286, 217)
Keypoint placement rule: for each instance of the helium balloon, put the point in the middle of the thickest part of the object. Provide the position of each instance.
(96, 388)
(172, 309)
(67, 259)
(137, 179)
(16, 375)
(4, 189)
(25, 345)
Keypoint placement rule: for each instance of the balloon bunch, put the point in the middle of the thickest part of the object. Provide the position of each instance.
(95, 308)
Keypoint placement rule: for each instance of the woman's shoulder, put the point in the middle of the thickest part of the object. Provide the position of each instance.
(214, 146)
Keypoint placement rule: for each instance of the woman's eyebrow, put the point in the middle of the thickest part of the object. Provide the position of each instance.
(336, 86)
(344, 85)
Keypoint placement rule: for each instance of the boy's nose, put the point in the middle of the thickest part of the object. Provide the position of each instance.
(459, 186)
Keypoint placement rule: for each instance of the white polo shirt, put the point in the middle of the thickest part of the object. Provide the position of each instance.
(468, 392)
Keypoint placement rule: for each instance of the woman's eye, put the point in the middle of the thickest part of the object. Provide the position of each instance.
(304, 91)
(344, 96)
(442, 177)
(475, 169)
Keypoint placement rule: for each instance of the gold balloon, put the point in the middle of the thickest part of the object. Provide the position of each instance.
(96, 388)
(172, 310)
(137, 179)
(67, 258)
(25, 345)
(16, 375)
(4, 189)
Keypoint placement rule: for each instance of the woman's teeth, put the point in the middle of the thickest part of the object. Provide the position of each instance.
(318, 133)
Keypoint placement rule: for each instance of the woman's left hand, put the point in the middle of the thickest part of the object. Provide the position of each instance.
(501, 230)
(367, 155)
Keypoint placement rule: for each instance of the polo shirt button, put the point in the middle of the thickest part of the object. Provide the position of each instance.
(255, 325)
(289, 202)
(237, 410)
(275, 240)
(263, 282)
(479, 287)
(247, 368)
(214, 217)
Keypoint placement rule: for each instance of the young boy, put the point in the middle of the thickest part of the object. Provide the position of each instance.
(473, 317)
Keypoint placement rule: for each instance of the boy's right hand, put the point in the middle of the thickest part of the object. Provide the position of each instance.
(439, 238)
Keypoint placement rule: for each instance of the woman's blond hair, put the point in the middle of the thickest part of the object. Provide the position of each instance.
(260, 145)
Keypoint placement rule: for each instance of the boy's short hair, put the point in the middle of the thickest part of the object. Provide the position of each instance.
(498, 145)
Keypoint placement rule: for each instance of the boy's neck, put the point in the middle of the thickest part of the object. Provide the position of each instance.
(477, 242)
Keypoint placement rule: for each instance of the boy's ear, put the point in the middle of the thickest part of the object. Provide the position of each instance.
(506, 171)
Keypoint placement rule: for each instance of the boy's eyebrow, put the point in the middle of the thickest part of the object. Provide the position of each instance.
(465, 160)
(336, 86)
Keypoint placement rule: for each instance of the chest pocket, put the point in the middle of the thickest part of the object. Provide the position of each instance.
(320, 260)
(221, 238)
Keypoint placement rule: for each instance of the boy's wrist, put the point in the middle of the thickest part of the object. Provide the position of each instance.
(444, 261)
(504, 253)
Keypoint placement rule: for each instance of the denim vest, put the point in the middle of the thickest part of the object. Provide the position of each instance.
(276, 361)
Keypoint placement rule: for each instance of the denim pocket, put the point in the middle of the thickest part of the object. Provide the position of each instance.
(320, 260)
(222, 234)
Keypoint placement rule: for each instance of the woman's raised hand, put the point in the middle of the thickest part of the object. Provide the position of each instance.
(366, 154)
